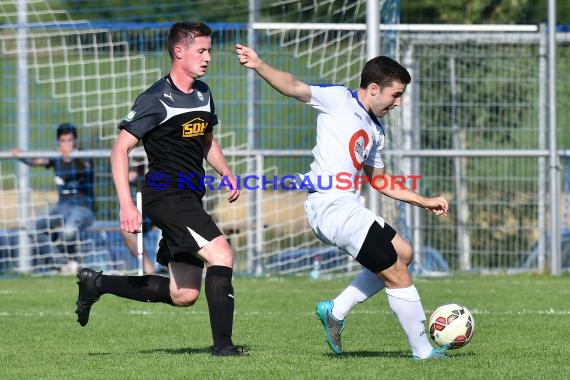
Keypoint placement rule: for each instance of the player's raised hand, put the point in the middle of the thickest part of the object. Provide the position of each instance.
(437, 205)
(248, 57)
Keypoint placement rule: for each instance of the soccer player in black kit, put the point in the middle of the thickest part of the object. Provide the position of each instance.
(174, 118)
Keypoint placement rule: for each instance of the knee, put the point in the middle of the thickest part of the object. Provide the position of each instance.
(403, 249)
(217, 252)
(406, 255)
(397, 276)
(184, 297)
(223, 258)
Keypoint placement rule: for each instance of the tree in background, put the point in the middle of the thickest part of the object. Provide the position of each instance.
(481, 11)
(411, 11)
(156, 11)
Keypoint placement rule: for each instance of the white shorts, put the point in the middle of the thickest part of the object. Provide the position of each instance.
(340, 219)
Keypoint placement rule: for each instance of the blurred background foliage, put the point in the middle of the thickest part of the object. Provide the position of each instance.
(411, 11)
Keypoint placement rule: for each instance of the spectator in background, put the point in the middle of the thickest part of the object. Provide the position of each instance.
(136, 176)
(75, 208)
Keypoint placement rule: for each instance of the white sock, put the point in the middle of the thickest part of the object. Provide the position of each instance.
(407, 306)
(364, 286)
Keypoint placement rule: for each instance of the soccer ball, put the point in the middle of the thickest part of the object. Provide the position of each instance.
(451, 324)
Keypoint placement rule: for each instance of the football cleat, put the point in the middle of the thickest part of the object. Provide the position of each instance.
(87, 295)
(333, 327)
(230, 351)
(435, 354)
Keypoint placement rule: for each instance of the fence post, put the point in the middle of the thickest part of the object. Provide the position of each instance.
(555, 254)
(259, 238)
(459, 168)
(542, 105)
(24, 250)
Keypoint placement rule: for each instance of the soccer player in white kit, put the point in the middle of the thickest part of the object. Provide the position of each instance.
(349, 142)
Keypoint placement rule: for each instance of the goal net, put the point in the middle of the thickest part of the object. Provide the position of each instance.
(327, 41)
(90, 72)
(79, 73)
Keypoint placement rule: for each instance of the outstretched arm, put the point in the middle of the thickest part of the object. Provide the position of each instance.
(29, 161)
(282, 81)
(392, 188)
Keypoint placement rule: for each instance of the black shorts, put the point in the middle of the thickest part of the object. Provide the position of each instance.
(378, 252)
(186, 227)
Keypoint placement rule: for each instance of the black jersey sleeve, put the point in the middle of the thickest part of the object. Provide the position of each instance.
(144, 116)
(50, 163)
(213, 116)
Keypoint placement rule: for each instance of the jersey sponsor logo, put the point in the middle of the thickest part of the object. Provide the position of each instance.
(357, 148)
(194, 127)
(169, 96)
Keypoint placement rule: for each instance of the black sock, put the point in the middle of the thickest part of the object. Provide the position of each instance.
(220, 297)
(148, 288)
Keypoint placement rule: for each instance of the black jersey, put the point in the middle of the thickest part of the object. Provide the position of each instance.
(74, 180)
(172, 124)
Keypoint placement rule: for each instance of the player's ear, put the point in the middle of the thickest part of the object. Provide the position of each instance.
(374, 89)
(178, 51)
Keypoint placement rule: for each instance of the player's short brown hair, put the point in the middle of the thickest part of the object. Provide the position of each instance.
(383, 71)
(185, 32)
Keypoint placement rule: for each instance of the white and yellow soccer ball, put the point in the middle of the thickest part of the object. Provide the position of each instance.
(451, 324)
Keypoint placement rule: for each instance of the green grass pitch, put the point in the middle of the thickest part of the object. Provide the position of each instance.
(521, 332)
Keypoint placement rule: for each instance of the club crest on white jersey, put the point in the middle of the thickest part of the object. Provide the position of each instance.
(357, 148)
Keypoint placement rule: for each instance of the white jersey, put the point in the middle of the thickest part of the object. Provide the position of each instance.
(348, 138)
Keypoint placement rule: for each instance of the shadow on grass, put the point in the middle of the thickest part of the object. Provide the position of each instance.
(460, 354)
(179, 351)
(392, 354)
(172, 351)
(370, 354)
